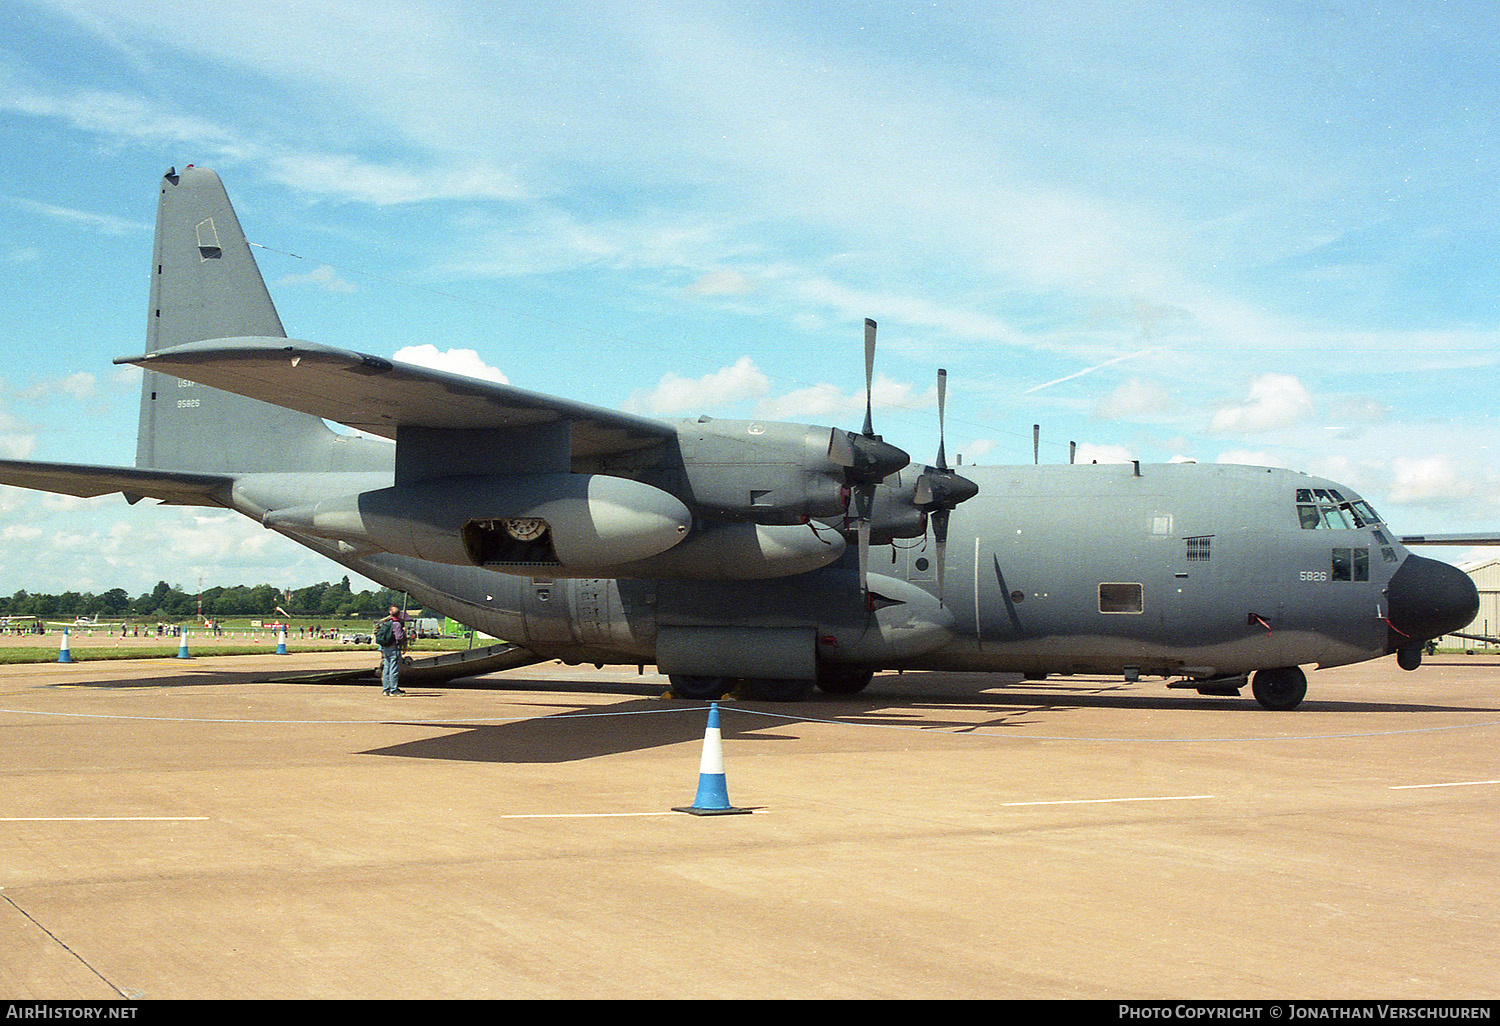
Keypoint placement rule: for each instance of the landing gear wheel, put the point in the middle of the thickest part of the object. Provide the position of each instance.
(843, 680)
(1281, 688)
(700, 688)
(775, 689)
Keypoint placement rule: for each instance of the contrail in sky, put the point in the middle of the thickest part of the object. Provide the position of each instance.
(1087, 370)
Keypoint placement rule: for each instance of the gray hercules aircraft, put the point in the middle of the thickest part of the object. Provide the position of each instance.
(757, 555)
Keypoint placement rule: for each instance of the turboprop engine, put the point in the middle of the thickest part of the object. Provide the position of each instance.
(560, 525)
(513, 523)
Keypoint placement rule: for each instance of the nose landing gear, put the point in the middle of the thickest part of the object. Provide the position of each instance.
(1283, 687)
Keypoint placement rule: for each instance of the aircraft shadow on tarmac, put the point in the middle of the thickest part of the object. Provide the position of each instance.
(578, 732)
(179, 677)
(1008, 707)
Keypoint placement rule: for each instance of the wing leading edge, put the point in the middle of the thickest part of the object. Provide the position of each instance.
(380, 396)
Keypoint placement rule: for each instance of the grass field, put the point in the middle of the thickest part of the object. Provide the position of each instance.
(235, 637)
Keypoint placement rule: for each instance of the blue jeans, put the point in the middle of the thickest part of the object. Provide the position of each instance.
(390, 668)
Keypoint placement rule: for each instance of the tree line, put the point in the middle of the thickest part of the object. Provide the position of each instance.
(170, 602)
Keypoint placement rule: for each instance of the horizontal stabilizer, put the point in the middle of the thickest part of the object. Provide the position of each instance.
(87, 481)
(378, 396)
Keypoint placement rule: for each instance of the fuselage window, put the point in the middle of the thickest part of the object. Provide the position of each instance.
(1121, 598)
(1343, 569)
(1350, 565)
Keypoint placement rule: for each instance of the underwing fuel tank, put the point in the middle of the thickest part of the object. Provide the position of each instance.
(513, 523)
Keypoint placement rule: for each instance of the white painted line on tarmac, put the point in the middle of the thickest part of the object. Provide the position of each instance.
(103, 819)
(1456, 783)
(1108, 801)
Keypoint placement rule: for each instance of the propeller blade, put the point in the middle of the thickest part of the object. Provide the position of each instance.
(942, 460)
(940, 536)
(869, 375)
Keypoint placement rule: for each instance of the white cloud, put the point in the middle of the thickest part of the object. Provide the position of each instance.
(674, 394)
(455, 361)
(107, 224)
(346, 177)
(823, 399)
(1132, 399)
(1427, 479)
(322, 276)
(1274, 401)
(17, 439)
(721, 283)
(957, 321)
(79, 385)
(16, 445)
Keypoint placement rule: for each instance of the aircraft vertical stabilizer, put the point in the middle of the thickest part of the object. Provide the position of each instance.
(205, 284)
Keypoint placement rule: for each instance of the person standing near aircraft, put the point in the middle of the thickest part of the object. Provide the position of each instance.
(390, 635)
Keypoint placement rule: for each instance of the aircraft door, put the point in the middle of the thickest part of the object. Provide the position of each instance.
(1221, 593)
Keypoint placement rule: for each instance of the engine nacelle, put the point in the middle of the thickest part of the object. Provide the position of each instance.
(517, 523)
(760, 471)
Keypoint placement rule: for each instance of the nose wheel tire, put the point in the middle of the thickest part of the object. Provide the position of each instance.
(1281, 688)
(700, 688)
(843, 680)
(773, 689)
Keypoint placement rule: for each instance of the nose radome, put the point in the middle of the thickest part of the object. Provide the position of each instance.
(1427, 598)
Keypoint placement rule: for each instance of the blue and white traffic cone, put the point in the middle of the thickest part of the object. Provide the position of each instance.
(182, 652)
(713, 790)
(281, 642)
(63, 655)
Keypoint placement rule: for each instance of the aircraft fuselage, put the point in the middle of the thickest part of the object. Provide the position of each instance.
(1200, 570)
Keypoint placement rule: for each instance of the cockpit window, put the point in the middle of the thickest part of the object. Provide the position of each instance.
(1334, 518)
(1326, 509)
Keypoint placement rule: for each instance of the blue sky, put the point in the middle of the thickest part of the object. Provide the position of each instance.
(1261, 233)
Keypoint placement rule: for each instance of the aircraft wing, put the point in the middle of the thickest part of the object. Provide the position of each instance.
(86, 481)
(1482, 538)
(377, 395)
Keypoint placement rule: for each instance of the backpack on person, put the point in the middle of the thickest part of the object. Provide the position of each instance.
(385, 633)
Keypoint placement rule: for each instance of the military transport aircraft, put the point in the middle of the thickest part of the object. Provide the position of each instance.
(736, 554)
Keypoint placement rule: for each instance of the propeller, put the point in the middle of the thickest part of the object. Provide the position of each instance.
(867, 460)
(939, 490)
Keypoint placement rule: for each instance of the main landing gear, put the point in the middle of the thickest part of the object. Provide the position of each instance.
(1281, 688)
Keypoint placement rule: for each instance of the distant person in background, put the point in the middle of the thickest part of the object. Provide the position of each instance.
(390, 635)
